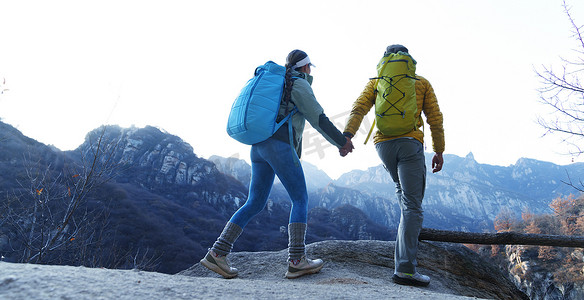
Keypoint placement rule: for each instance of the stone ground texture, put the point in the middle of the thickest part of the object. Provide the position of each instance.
(353, 270)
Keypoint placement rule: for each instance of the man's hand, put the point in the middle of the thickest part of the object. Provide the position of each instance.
(437, 162)
(347, 148)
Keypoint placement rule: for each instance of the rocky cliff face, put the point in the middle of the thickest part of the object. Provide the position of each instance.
(161, 158)
(526, 271)
(237, 168)
(379, 209)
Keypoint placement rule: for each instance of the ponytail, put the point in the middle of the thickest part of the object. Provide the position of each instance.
(287, 85)
(293, 57)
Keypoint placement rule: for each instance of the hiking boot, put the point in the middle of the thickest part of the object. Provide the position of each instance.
(218, 264)
(416, 279)
(303, 266)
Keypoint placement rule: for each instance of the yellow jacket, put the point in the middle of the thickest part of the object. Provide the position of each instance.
(427, 103)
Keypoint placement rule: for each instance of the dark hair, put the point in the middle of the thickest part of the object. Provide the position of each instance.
(395, 48)
(293, 57)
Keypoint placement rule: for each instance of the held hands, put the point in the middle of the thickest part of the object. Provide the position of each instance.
(437, 162)
(347, 148)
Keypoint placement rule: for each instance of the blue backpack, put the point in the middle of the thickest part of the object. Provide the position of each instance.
(253, 115)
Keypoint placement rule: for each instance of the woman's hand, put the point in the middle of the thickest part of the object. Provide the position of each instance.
(347, 148)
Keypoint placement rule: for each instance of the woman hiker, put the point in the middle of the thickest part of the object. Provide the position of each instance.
(274, 157)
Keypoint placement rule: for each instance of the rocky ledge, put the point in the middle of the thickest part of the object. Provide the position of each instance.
(353, 270)
(362, 269)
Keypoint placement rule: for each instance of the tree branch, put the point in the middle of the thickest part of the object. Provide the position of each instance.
(502, 238)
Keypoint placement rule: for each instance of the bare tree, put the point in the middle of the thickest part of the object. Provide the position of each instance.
(3, 89)
(563, 93)
(3, 86)
(48, 216)
(144, 260)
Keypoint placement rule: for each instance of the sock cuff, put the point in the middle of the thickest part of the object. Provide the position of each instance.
(296, 245)
(232, 231)
(297, 226)
(225, 241)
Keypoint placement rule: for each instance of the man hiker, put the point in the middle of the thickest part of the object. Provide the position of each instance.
(402, 153)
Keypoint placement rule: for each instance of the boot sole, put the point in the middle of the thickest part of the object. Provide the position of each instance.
(407, 281)
(292, 275)
(213, 267)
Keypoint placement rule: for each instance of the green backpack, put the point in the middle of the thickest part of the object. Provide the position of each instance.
(396, 107)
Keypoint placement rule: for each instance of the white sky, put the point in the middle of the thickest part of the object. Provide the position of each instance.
(71, 66)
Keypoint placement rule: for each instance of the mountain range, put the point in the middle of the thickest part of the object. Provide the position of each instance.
(465, 195)
(163, 205)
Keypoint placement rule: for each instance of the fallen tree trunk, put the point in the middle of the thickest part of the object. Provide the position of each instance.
(501, 238)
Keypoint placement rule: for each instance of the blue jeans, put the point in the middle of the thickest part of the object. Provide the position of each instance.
(269, 158)
(404, 160)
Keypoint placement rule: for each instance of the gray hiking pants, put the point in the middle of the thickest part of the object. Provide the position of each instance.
(403, 158)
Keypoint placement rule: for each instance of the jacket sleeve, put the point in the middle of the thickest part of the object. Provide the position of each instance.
(361, 107)
(307, 105)
(433, 115)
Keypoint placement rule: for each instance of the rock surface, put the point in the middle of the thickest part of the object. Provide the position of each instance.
(353, 270)
(364, 268)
